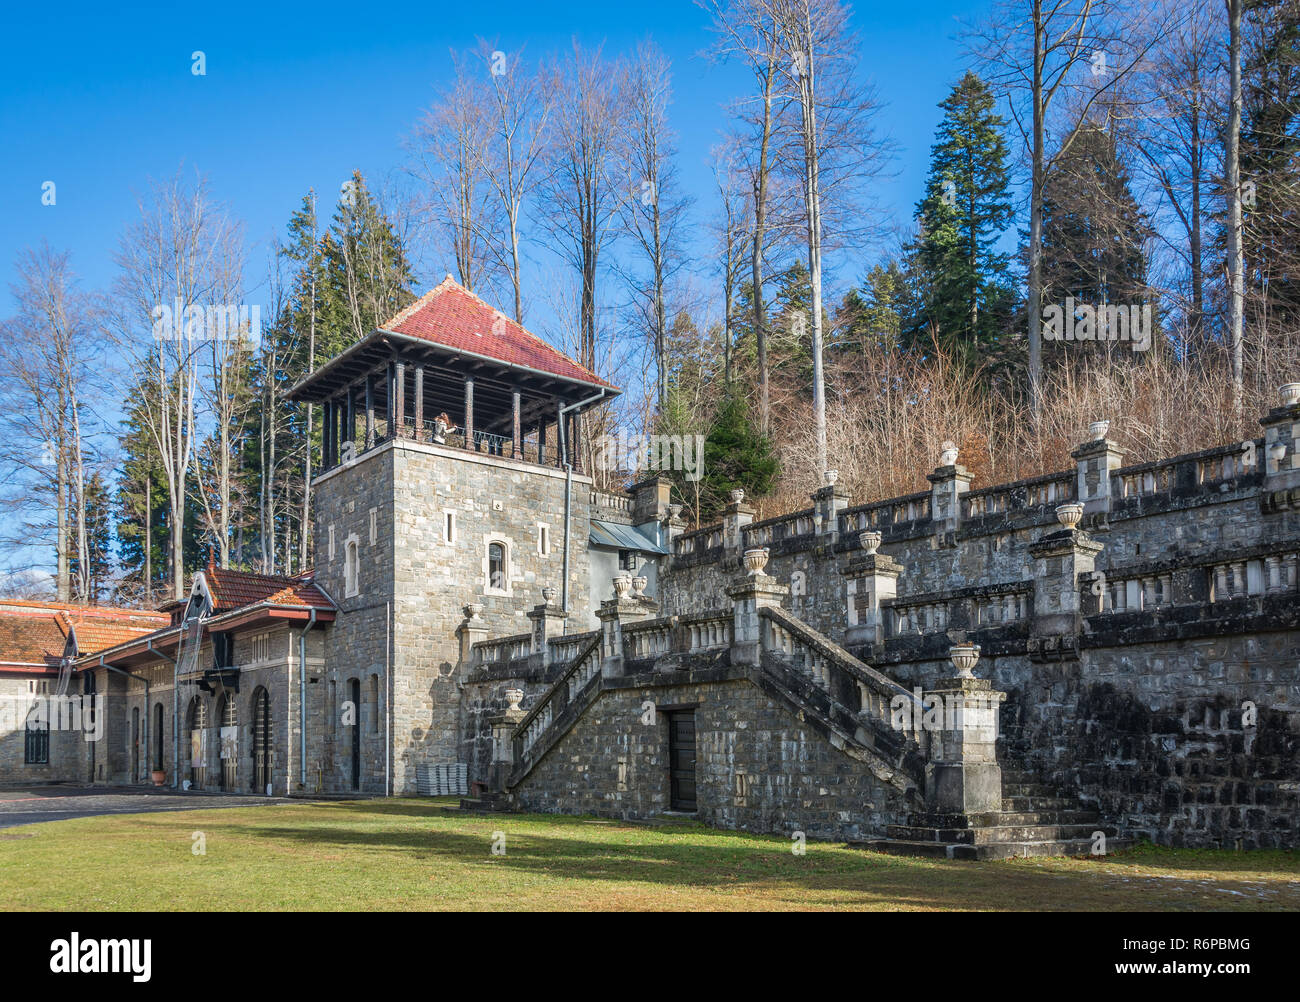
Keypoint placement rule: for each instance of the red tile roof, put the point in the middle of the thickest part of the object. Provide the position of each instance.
(34, 633)
(452, 316)
(234, 589)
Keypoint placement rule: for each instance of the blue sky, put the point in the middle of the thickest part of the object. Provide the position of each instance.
(99, 99)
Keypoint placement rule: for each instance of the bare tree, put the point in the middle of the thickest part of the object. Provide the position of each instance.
(581, 192)
(748, 30)
(514, 152)
(173, 263)
(654, 208)
(734, 229)
(450, 147)
(1232, 192)
(1036, 52)
(48, 353)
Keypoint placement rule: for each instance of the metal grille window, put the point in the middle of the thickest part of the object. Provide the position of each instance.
(36, 746)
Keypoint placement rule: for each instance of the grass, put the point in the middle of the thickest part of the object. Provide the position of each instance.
(399, 855)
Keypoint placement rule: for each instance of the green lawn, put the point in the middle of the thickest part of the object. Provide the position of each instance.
(415, 854)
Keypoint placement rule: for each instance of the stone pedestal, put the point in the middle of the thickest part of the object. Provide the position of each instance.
(613, 613)
(503, 727)
(1059, 558)
(947, 485)
(869, 579)
(828, 502)
(1282, 436)
(471, 631)
(749, 594)
(547, 622)
(1096, 461)
(737, 515)
(963, 775)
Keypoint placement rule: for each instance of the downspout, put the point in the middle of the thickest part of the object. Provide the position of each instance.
(138, 678)
(568, 490)
(302, 699)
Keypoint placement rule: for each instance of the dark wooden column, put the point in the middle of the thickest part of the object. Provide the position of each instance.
(370, 411)
(576, 444)
(351, 433)
(389, 397)
(419, 403)
(324, 435)
(561, 439)
(516, 443)
(469, 414)
(399, 378)
(330, 431)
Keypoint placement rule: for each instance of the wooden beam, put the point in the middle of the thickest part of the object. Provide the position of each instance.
(516, 444)
(399, 383)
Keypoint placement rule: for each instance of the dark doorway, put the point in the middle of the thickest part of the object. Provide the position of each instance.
(261, 740)
(198, 726)
(354, 694)
(681, 759)
(229, 717)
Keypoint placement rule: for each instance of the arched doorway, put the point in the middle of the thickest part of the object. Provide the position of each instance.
(262, 758)
(354, 694)
(198, 723)
(135, 744)
(229, 717)
(159, 756)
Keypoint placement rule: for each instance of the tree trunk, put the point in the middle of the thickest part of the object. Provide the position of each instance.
(1236, 260)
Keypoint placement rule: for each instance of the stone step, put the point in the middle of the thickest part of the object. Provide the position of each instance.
(489, 803)
(1048, 817)
(988, 850)
(1015, 803)
(1027, 790)
(998, 833)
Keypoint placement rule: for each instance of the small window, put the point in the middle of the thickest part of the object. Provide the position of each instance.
(331, 535)
(497, 574)
(36, 746)
(544, 540)
(449, 527)
(374, 526)
(351, 568)
(627, 560)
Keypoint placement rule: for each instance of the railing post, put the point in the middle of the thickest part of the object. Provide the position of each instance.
(548, 621)
(963, 776)
(503, 727)
(749, 594)
(828, 502)
(737, 515)
(624, 607)
(1059, 558)
(870, 578)
(1282, 451)
(947, 484)
(471, 631)
(1097, 460)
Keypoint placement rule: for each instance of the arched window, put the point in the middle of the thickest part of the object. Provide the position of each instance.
(351, 568)
(158, 736)
(498, 573)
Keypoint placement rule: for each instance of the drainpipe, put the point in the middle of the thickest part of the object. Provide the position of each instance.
(302, 699)
(138, 678)
(568, 490)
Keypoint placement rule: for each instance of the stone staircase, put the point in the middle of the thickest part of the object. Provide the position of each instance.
(1035, 820)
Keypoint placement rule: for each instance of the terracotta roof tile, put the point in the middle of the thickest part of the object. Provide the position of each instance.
(234, 589)
(29, 638)
(453, 316)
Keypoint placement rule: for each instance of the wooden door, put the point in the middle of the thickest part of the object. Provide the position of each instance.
(681, 759)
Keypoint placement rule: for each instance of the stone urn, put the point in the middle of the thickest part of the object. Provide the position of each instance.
(638, 585)
(1098, 430)
(674, 511)
(964, 657)
(1290, 394)
(548, 594)
(737, 496)
(622, 585)
(474, 610)
(1069, 514)
(513, 697)
(158, 776)
(869, 539)
(756, 560)
(1277, 452)
(831, 476)
(949, 455)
